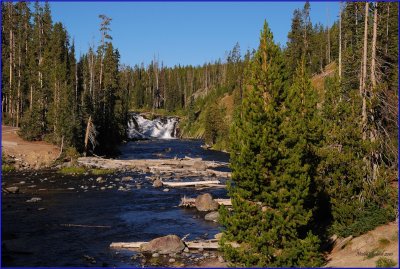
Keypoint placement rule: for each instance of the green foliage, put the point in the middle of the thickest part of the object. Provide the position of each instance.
(72, 170)
(215, 125)
(270, 170)
(79, 170)
(5, 168)
(356, 205)
(373, 253)
(384, 262)
(364, 221)
(6, 164)
(383, 242)
(72, 154)
(101, 171)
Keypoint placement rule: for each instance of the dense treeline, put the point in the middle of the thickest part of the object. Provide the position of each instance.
(310, 163)
(307, 162)
(51, 95)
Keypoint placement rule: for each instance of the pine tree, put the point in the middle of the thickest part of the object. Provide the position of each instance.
(270, 186)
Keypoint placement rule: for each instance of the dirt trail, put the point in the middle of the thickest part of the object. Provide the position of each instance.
(32, 154)
(366, 249)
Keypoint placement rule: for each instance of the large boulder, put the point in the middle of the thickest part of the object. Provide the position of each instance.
(164, 245)
(157, 183)
(212, 216)
(205, 202)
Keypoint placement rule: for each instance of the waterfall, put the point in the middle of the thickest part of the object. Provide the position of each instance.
(160, 127)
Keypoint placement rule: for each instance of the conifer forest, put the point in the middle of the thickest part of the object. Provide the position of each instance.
(309, 128)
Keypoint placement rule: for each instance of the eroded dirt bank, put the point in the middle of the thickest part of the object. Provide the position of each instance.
(26, 154)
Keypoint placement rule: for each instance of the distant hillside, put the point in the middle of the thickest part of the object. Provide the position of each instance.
(227, 103)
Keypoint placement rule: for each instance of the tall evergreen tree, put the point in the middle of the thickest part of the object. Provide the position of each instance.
(270, 185)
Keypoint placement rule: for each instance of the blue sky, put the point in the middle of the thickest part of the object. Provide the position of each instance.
(182, 33)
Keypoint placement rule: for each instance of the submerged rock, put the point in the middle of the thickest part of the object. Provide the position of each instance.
(205, 202)
(34, 200)
(164, 245)
(12, 189)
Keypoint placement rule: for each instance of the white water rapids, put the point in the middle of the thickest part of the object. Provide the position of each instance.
(161, 127)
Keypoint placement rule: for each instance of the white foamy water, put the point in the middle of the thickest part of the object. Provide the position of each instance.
(160, 128)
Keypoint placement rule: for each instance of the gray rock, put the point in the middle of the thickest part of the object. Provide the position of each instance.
(155, 255)
(206, 254)
(221, 259)
(102, 188)
(157, 183)
(205, 202)
(22, 182)
(166, 190)
(12, 189)
(186, 250)
(164, 245)
(34, 200)
(171, 260)
(100, 180)
(212, 216)
(126, 179)
(117, 179)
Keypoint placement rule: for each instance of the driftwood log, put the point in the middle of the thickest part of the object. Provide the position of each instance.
(191, 202)
(203, 244)
(191, 183)
(206, 244)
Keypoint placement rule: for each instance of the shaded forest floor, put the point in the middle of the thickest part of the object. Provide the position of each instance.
(29, 154)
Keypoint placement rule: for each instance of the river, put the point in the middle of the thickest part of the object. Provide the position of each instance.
(40, 234)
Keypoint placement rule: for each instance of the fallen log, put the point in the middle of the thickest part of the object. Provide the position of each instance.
(208, 244)
(191, 183)
(191, 202)
(205, 244)
(227, 202)
(127, 244)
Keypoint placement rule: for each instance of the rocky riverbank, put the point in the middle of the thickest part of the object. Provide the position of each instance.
(52, 219)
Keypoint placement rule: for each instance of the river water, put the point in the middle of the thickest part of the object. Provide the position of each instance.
(40, 234)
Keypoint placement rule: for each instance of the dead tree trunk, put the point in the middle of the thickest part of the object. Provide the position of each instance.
(373, 95)
(364, 75)
(340, 41)
(11, 57)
